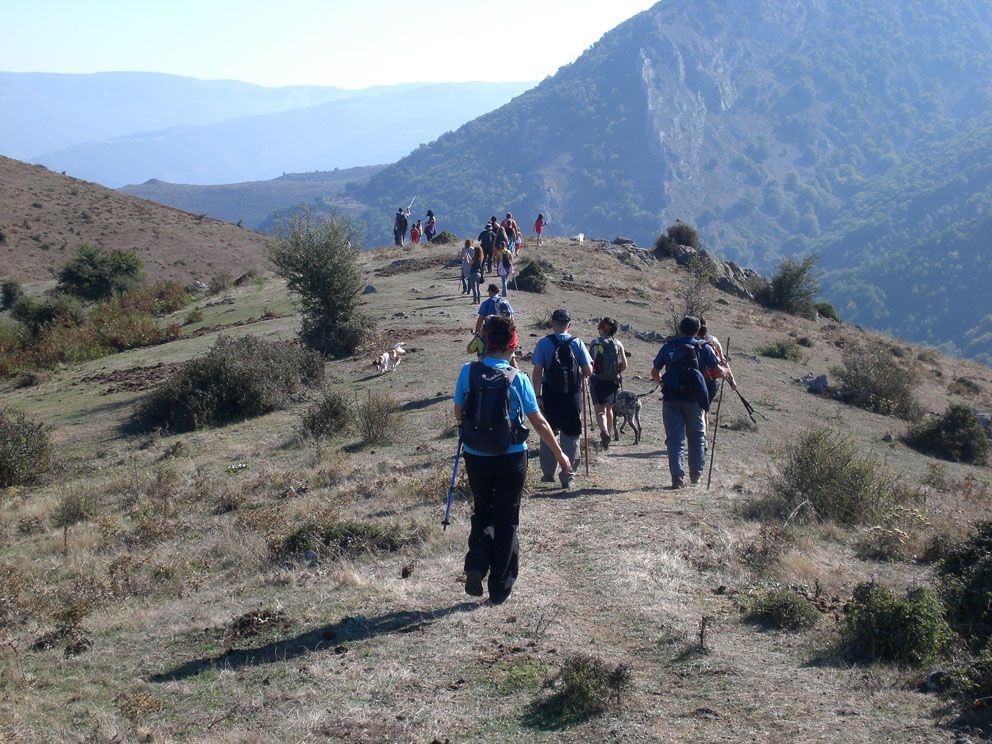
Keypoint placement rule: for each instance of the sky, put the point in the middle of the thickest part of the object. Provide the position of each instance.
(344, 43)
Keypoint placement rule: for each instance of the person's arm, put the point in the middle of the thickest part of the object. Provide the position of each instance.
(543, 429)
(623, 357)
(536, 379)
(656, 375)
(585, 369)
(478, 324)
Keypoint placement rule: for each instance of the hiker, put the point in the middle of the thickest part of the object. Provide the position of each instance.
(493, 305)
(685, 399)
(539, 227)
(475, 272)
(608, 364)
(710, 375)
(512, 232)
(501, 241)
(430, 229)
(468, 258)
(561, 361)
(415, 233)
(477, 345)
(504, 266)
(399, 227)
(491, 401)
(487, 239)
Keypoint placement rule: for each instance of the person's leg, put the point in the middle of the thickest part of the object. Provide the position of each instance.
(508, 477)
(674, 420)
(548, 462)
(503, 279)
(479, 470)
(570, 446)
(695, 424)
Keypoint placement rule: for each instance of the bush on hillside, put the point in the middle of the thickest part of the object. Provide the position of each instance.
(693, 296)
(319, 261)
(957, 435)
(10, 292)
(785, 610)
(966, 586)
(446, 237)
(96, 274)
(793, 288)
(824, 474)
(330, 415)
(531, 278)
(34, 315)
(25, 448)
(238, 378)
(873, 379)
(880, 626)
(678, 234)
(782, 349)
(586, 686)
(826, 310)
(325, 536)
(376, 418)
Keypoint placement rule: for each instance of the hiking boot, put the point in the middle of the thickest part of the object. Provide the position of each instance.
(695, 478)
(566, 481)
(604, 440)
(547, 479)
(473, 583)
(678, 483)
(498, 599)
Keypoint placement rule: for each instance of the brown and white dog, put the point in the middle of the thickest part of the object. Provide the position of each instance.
(387, 361)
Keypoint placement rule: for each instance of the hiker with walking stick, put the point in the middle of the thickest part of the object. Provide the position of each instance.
(685, 398)
(491, 401)
(561, 363)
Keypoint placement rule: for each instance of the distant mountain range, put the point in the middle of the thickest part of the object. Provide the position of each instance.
(125, 128)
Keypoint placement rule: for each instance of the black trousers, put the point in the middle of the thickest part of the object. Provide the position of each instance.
(497, 483)
(564, 411)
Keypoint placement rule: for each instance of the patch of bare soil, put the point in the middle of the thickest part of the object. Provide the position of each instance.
(132, 379)
(409, 265)
(256, 623)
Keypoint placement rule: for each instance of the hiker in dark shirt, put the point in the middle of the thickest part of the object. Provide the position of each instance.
(399, 227)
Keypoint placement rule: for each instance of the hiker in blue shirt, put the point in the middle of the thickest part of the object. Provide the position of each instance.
(561, 361)
(685, 398)
(494, 305)
(497, 477)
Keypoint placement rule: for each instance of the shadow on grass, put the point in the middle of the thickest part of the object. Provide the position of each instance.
(333, 636)
(640, 455)
(416, 405)
(579, 492)
(554, 714)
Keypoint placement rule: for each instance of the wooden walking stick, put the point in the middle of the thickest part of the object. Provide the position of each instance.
(585, 426)
(716, 426)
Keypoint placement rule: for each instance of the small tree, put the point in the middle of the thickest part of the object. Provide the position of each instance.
(678, 234)
(693, 295)
(319, 261)
(794, 288)
(10, 292)
(95, 274)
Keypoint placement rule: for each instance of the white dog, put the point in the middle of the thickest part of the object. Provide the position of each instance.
(387, 361)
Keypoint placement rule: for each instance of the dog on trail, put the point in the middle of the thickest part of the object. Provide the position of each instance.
(627, 406)
(389, 360)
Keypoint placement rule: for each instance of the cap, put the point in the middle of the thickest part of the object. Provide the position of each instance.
(561, 315)
(493, 289)
(508, 215)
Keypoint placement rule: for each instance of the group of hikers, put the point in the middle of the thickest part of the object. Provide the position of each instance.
(499, 245)
(494, 402)
(419, 230)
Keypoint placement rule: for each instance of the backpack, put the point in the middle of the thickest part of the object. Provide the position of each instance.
(507, 263)
(486, 425)
(486, 237)
(498, 306)
(606, 365)
(561, 376)
(681, 380)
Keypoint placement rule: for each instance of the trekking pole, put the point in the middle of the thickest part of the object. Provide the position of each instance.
(716, 426)
(749, 408)
(585, 425)
(451, 488)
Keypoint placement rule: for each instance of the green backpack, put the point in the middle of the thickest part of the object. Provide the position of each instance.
(607, 364)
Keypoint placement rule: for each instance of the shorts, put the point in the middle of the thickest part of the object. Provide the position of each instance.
(711, 387)
(603, 392)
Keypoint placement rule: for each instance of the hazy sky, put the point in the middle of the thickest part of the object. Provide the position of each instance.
(347, 43)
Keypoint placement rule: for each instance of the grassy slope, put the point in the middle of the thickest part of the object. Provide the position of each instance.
(618, 567)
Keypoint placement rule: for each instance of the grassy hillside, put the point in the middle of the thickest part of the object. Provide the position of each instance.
(203, 628)
(45, 216)
(253, 202)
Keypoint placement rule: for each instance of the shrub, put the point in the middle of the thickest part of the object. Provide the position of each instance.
(219, 282)
(328, 416)
(793, 288)
(446, 237)
(95, 274)
(966, 581)
(785, 610)
(195, 315)
(824, 473)
(59, 310)
(782, 349)
(692, 297)
(319, 261)
(376, 418)
(237, 379)
(25, 448)
(325, 535)
(10, 292)
(531, 278)
(970, 685)
(964, 387)
(957, 436)
(826, 310)
(586, 686)
(880, 626)
(678, 234)
(871, 378)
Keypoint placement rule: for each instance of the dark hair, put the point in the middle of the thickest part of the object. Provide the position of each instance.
(468, 243)
(702, 326)
(540, 216)
(689, 326)
(498, 332)
(611, 325)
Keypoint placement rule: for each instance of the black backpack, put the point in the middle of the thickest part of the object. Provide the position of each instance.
(561, 376)
(682, 373)
(486, 238)
(486, 425)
